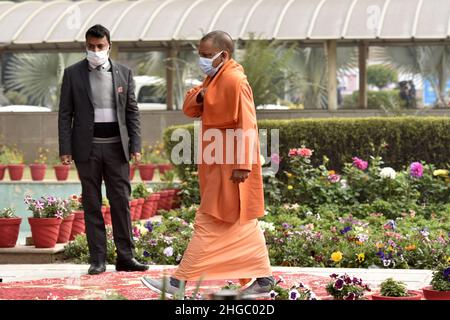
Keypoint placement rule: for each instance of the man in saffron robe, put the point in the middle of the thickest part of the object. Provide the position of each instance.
(228, 242)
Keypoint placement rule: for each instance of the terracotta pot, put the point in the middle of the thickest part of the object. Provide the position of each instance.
(162, 200)
(150, 206)
(16, 171)
(9, 231)
(412, 296)
(169, 199)
(133, 204)
(2, 171)
(44, 231)
(138, 210)
(78, 225)
(146, 171)
(65, 229)
(163, 168)
(107, 215)
(38, 171)
(431, 294)
(132, 171)
(61, 172)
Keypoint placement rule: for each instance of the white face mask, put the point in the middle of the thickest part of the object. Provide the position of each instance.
(97, 58)
(206, 65)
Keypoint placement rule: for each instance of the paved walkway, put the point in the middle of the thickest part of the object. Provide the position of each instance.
(415, 279)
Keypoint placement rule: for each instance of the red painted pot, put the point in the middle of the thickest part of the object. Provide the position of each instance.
(431, 294)
(163, 168)
(2, 171)
(16, 171)
(44, 231)
(38, 171)
(150, 206)
(138, 210)
(132, 171)
(412, 296)
(169, 199)
(9, 232)
(107, 215)
(61, 172)
(65, 229)
(133, 204)
(146, 171)
(78, 225)
(162, 200)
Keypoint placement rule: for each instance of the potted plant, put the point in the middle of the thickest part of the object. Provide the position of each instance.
(141, 193)
(15, 163)
(61, 170)
(106, 211)
(440, 283)
(345, 287)
(147, 165)
(3, 162)
(391, 289)
(66, 225)
(48, 213)
(76, 206)
(39, 167)
(133, 204)
(9, 228)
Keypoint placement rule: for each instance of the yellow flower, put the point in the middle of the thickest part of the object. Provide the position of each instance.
(440, 173)
(410, 247)
(331, 172)
(448, 261)
(359, 242)
(380, 245)
(290, 187)
(289, 174)
(390, 248)
(361, 257)
(336, 256)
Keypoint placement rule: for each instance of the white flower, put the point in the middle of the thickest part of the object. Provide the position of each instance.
(294, 294)
(266, 212)
(308, 213)
(344, 184)
(168, 252)
(388, 172)
(318, 216)
(266, 226)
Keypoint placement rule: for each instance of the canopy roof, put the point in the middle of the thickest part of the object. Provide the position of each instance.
(153, 23)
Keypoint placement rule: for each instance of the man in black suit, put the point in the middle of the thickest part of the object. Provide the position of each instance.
(99, 129)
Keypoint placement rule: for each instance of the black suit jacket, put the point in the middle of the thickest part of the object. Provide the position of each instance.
(76, 112)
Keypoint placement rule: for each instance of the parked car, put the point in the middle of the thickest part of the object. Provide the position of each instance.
(151, 91)
(24, 108)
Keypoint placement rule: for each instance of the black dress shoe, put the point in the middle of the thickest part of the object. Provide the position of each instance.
(97, 268)
(130, 265)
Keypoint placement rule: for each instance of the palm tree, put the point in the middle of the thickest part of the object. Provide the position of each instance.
(431, 62)
(38, 76)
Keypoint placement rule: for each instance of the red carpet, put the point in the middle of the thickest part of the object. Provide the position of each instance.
(128, 285)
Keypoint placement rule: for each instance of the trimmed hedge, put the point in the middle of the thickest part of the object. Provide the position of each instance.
(408, 139)
(376, 99)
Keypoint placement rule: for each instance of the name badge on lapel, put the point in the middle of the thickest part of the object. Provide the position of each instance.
(119, 89)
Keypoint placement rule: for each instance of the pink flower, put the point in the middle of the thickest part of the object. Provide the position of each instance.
(304, 152)
(334, 178)
(359, 163)
(416, 170)
(292, 152)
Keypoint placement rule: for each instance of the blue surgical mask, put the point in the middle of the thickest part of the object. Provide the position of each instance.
(206, 65)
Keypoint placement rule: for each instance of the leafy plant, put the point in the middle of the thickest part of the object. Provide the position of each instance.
(140, 191)
(74, 203)
(11, 155)
(393, 288)
(42, 155)
(381, 75)
(8, 213)
(441, 277)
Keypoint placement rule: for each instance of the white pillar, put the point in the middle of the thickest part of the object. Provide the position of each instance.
(332, 74)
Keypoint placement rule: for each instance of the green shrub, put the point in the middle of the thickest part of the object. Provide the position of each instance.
(392, 288)
(405, 139)
(386, 100)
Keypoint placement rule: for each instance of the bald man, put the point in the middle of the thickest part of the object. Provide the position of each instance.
(228, 242)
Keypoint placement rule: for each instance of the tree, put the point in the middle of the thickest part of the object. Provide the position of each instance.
(381, 76)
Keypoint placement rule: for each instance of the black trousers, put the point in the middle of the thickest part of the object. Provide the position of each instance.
(107, 162)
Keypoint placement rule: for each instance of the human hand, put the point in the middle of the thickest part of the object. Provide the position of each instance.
(66, 159)
(239, 176)
(136, 156)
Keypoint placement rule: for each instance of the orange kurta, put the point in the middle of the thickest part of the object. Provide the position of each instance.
(228, 104)
(227, 240)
